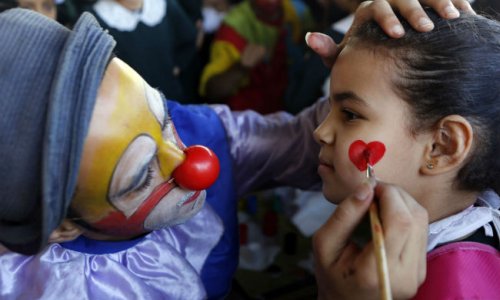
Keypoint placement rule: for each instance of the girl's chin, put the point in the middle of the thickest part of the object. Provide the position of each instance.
(334, 201)
(332, 198)
(332, 195)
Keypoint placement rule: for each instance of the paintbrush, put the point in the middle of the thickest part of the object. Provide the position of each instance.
(378, 243)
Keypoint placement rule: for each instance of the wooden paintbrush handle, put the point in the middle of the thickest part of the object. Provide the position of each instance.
(381, 258)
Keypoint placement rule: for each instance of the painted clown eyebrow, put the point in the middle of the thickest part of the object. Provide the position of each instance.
(166, 114)
(156, 104)
(351, 96)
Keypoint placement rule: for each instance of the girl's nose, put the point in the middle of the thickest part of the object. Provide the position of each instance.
(324, 133)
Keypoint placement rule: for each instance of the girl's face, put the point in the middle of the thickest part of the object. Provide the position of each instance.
(365, 107)
(124, 186)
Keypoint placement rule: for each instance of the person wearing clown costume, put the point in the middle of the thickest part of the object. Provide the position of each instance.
(255, 53)
(90, 164)
(94, 202)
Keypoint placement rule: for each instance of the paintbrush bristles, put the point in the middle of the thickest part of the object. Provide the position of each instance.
(369, 171)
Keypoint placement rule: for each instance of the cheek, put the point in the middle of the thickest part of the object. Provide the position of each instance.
(129, 203)
(168, 213)
(400, 163)
(344, 186)
(340, 183)
(170, 134)
(347, 177)
(347, 168)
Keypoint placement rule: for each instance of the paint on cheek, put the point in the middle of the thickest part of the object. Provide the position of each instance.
(169, 157)
(118, 224)
(362, 154)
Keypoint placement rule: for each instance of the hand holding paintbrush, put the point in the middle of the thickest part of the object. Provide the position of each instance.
(347, 268)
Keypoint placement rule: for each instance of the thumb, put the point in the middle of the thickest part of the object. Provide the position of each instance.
(324, 46)
(334, 235)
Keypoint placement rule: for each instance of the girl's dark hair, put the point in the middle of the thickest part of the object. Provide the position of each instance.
(453, 69)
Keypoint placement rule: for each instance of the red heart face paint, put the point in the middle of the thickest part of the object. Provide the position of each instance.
(362, 154)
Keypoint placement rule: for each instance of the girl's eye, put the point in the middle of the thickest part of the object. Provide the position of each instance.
(349, 115)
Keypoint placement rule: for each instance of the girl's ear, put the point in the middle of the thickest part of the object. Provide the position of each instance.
(67, 231)
(449, 147)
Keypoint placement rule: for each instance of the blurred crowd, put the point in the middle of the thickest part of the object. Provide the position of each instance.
(249, 54)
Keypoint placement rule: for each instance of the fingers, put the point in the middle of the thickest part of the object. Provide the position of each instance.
(413, 12)
(448, 9)
(395, 216)
(383, 12)
(332, 237)
(324, 46)
(66, 231)
(463, 5)
(401, 214)
(405, 225)
(344, 269)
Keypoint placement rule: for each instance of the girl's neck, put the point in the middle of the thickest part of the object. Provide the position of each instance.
(446, 203)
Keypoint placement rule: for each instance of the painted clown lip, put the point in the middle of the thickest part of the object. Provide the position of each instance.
(189, 198)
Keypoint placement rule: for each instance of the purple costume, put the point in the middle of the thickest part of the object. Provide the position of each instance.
(193, 260)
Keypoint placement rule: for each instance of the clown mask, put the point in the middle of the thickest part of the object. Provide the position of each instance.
(125, 186)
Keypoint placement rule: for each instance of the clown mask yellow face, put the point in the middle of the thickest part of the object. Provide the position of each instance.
(125, 185)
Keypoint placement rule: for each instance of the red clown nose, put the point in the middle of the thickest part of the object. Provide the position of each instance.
(199, 170)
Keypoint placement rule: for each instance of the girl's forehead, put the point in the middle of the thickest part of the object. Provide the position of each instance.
(355, 64)
(368, 76)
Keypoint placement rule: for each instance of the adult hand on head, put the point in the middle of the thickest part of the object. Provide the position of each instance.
(344, 271)
(383, 12)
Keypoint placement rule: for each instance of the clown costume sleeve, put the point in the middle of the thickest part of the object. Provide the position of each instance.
(255, 152)
(193, 260)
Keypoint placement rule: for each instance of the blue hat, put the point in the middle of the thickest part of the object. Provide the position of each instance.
(49, 78)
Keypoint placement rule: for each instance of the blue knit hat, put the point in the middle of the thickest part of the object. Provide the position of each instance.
(49, 78)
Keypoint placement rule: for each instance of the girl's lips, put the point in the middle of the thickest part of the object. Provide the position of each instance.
(325, 163)
(325, 169)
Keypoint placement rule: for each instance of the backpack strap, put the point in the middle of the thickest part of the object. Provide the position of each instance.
(462, 270)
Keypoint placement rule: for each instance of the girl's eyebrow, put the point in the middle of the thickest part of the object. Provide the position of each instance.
(351, 96)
